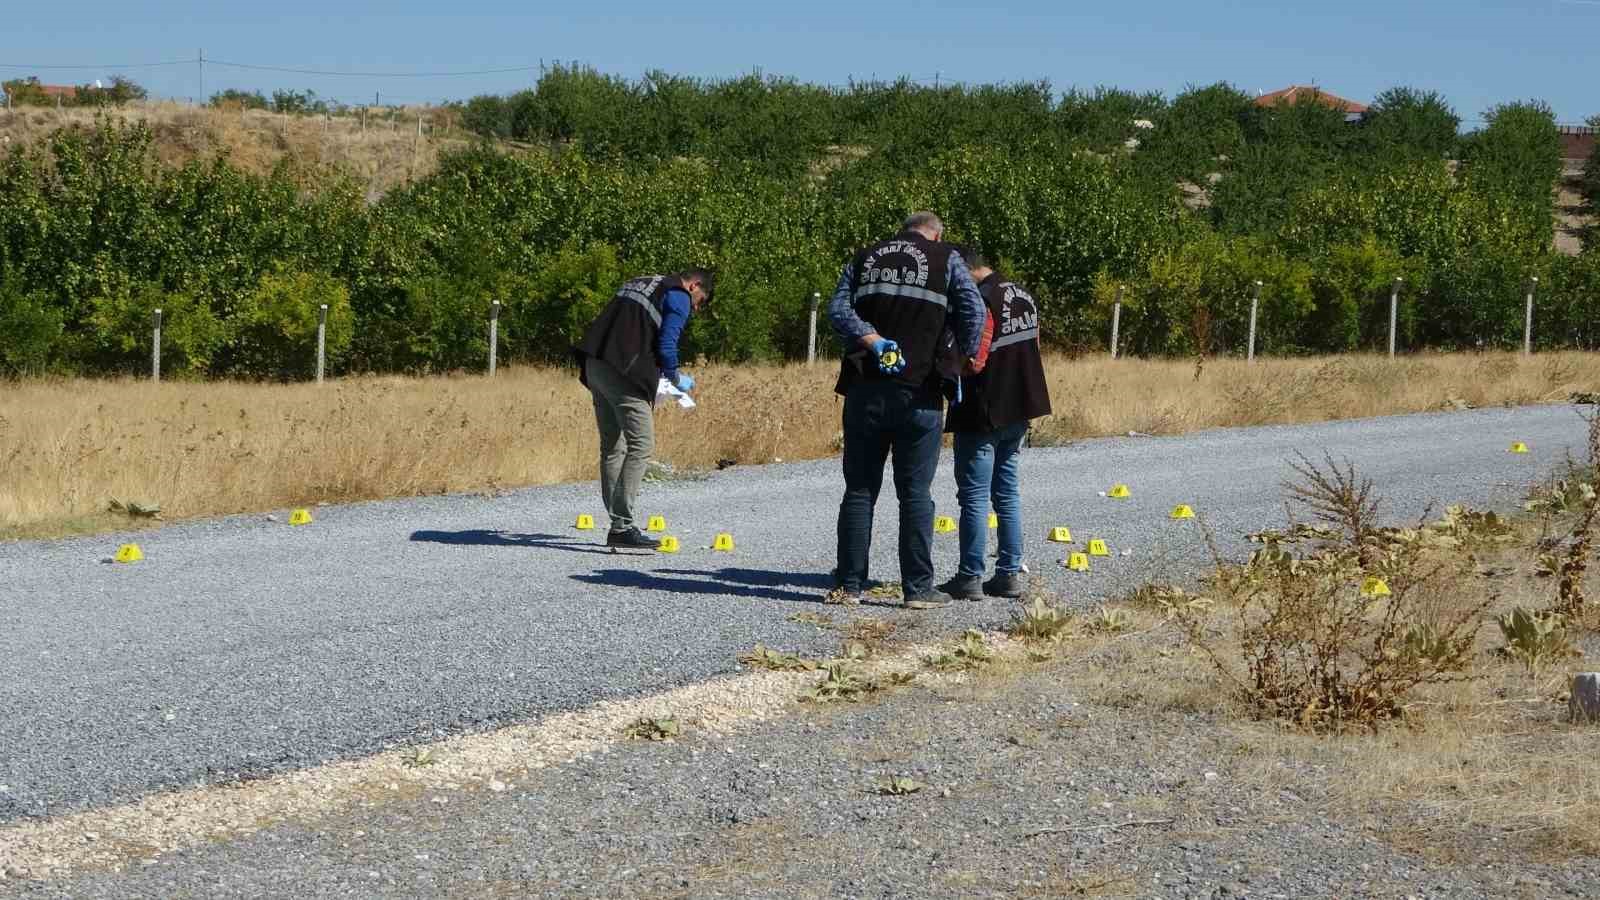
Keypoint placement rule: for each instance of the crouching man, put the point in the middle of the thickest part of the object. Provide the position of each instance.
(1002, 390)
(625, 353)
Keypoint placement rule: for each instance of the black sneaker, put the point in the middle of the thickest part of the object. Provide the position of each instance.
(929, 600)
(1008, 586)
(632, 539)
(963, 587)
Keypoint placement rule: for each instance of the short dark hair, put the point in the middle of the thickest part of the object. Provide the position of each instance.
(972, 256)
(708, 279)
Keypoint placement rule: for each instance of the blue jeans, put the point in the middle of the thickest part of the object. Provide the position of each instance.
(986, 468)
(881, 418)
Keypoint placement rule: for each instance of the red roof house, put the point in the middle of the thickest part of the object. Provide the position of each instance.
(1294, 93)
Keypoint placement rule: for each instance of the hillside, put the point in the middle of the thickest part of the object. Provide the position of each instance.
(380, 146)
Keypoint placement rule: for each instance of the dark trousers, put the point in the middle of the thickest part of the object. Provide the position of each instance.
(881, 418)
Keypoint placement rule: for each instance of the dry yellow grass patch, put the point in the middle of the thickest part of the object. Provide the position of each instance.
(383, 154)
(197, 449)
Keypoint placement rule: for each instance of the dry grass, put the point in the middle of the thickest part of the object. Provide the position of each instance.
(215, 448)
(1487, 767)
(383, 155)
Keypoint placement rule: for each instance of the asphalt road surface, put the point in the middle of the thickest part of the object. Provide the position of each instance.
(242, 646)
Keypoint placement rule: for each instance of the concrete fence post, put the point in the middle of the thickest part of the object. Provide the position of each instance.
(1116, 322)
(322, 340)
(811, 336)
(494, 336)
(1394, 313)
(1255, 305)
(1527, 320)
(155, 347)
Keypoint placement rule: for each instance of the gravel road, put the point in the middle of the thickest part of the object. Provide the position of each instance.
(241, 646)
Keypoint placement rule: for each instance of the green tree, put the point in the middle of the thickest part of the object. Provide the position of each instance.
(1518, 155)
(275, 327)
(1405, 121)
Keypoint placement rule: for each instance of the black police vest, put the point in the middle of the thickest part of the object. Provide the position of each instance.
(899, 288)
(1011, 388)
(625, 332)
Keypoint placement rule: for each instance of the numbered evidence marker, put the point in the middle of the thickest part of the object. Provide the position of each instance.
(1097, 547)
(669, 544)
(723, 542)
(1183, 512)
(1060, 535)
(585, 523)
(300, 517)
(657, 523)
(1077, 562)
(1119, 492)
(129, 553)
(1519, 447)
(944, 524)
(994, 520)
(1374, 587)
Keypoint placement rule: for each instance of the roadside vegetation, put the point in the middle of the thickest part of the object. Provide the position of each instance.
(71, 447)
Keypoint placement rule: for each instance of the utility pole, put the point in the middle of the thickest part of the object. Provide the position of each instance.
(201, 61)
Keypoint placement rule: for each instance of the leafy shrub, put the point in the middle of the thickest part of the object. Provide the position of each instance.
(33, 329)
(192, 335)
(277, 324)
(563, 297)
(1320, 644)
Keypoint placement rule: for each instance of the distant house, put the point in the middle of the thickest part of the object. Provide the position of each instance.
(1296, 93)
(1577, 141)
(64, 91)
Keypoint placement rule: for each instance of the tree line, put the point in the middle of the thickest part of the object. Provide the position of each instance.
(1175, 206)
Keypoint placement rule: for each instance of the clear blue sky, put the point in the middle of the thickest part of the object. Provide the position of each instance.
(1476, 52)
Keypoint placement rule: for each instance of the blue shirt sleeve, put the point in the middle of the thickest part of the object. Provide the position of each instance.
(967, 311)
(674, 316)
(842, 312)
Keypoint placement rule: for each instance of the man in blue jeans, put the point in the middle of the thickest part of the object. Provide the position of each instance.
(1001, 391)
(893, 303)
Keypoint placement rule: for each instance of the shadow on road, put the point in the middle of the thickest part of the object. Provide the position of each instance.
(754, 584)
(482, 537)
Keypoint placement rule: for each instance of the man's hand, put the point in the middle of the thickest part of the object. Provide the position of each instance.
(890, 360)
(685, 382)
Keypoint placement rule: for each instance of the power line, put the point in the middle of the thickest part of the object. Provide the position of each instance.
(295, 71)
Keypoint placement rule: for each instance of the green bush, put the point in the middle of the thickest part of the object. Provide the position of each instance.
(566, 293)
(276, 325)
(192, 335)
(32, 329)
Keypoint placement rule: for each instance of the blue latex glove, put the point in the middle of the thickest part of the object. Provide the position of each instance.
(890, 360)
(685, 382)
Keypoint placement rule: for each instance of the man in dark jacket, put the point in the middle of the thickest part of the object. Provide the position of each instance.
(625, 353)
(892, 304)
(1000, 392)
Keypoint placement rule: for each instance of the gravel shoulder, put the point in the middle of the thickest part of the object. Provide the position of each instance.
(1038, 779)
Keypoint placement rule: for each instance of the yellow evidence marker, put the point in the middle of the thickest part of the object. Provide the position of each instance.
(1119, 492)
(1183, 511)
(1060, 535)
(889, 360)
(723, 542)
(300, 517)
(994, 520)
(657, 523)
(669, 544)
(1078, 562)
(944, 524)
(1097, 547)
(585, 523)
(1375, 587)
(129, 553)
(1518, 447)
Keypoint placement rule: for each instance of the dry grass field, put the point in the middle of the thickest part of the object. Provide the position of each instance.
(197, 449)
(384, 153)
